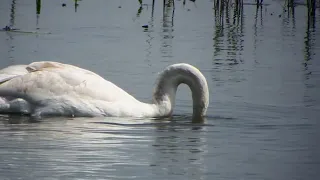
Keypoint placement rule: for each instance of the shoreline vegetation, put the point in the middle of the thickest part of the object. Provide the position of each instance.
(224, 6)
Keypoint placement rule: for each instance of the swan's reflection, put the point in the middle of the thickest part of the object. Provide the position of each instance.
(102, 147)
(81, 147)
(179, 149)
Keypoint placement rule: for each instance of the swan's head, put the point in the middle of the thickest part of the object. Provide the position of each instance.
(171, 77)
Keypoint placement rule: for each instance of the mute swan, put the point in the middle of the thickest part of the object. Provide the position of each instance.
(50, 88)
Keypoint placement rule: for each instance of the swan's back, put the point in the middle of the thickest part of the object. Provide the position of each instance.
(11, 72)
(51, 80)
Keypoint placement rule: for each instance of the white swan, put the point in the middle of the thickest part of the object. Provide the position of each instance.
(54, 89)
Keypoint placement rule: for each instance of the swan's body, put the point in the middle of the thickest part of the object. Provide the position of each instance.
(52, 88)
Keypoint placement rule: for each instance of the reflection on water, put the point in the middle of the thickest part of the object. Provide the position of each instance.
(12, 13)
(228, 36)
(38, 9)
(150, 33)
(309, 41)
(167, 30)
(11, 24)
(189, 150)
(104, 147)
(257, 19)
(76, 5)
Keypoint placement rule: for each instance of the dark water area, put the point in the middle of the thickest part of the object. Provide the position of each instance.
(262, 68)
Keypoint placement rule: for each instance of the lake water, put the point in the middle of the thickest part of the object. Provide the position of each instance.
(262, 68)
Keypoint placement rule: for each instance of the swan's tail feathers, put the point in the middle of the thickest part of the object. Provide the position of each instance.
(6, 77)
(15, 106)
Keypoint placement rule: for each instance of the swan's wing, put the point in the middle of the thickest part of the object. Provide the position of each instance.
(14, 69)
(53, 66)
(51, 80)
(5, 78)
(12, 72)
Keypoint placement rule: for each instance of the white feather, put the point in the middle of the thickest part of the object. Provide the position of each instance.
(52, 88)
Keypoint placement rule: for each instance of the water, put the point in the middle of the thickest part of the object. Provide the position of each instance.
(262, 70)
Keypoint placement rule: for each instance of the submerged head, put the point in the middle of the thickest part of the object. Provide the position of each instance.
(169, 80)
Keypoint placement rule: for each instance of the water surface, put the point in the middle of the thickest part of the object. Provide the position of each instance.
(261, 67)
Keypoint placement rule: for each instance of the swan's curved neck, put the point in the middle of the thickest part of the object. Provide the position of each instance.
(168, 82)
